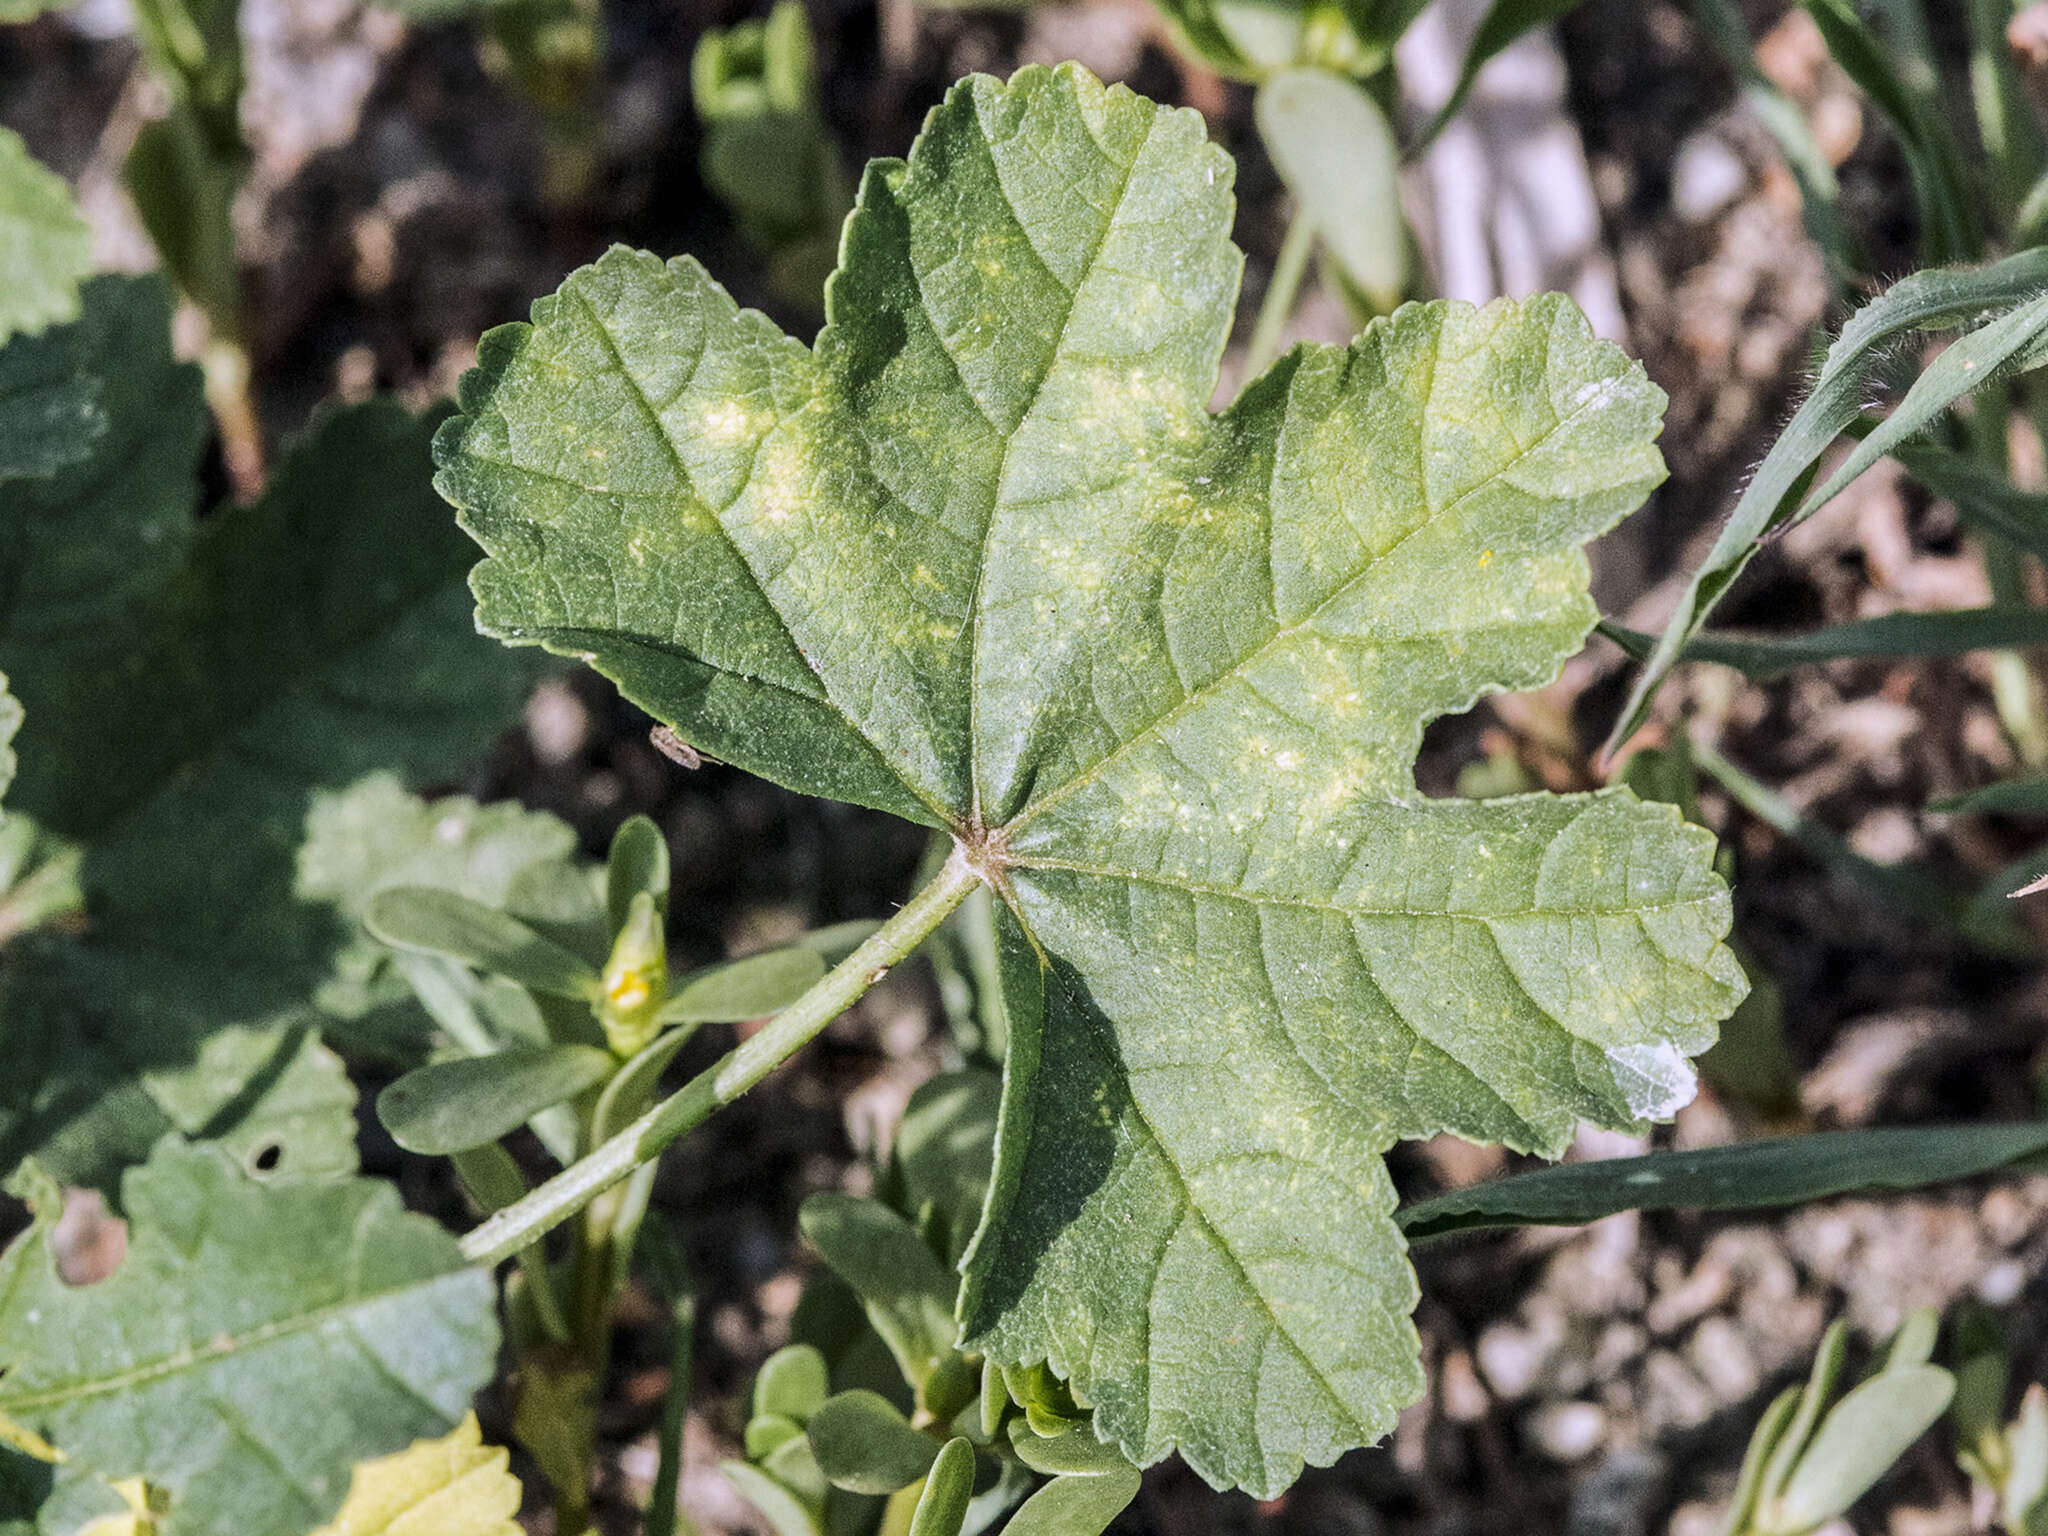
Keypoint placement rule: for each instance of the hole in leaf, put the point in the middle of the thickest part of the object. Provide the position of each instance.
(266, 1156)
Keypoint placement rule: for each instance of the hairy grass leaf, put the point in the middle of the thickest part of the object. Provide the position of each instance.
(1777, 495)
(984, 558)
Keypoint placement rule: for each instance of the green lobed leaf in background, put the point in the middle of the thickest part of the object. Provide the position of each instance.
(50, 413)
(190, 687)
(984, 558)
(252, 1346)
(45, 247)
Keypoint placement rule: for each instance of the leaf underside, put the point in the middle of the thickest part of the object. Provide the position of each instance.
(190, 1366)
(984, 558)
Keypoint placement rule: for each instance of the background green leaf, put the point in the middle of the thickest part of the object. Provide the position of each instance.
(45, 247)
(451, 1106)
(261, 1341)
(217, 676)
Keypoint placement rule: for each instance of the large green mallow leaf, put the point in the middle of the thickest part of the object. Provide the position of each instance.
(983, 557)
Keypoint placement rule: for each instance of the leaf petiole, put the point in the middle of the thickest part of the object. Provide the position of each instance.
(524, 1221)
(1278, 305)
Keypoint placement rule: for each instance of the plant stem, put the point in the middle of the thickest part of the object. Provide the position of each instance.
(225, 367)
(738, 1070)
(1278, 304)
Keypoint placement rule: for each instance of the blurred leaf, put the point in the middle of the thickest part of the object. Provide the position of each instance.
(374, 834)
(440, 922)
(50, 410)
(1949, 229)
(1813, 1402)
(766, 153)
(453, 1486)
(296, 1117)
(791, 1383)
(1872, 1427)
(1755, 1175)
(637, 862)
(45, 246)
(195, 48)
(1983, 499)
(184, 190)
(1913, 1343)
(554, 1418)
(107, 521)
(190, 687)
(451, 1106)
(1253, 39)
(1756, 1457)
(263, 1340)
(744, 989)
(1332, 146)
(785, 1512)
(865, 1446)
(906, 1292)
(945, 1149)
(1953, 632)
(2023, 1502)
(1775, 496)
(2014, 151)
(1978, 1409)
(1499, 29)
(1819, 192)
(1909, 887)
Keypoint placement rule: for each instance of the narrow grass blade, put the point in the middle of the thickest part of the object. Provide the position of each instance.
(1757, 1175)
(1932, 300)
(1894, 635)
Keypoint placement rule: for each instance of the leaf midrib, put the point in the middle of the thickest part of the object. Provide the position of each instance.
(1170, 1160)
(1201, 695)
(1260, 898)
(975, 607)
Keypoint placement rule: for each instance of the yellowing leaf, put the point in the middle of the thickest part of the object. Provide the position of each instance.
(453, 1486)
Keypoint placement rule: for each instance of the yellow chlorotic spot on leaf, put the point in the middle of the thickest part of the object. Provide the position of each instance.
(453, 1486)
(27, 1441)
(139, 1519)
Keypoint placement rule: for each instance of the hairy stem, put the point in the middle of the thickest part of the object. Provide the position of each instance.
(1288, 270)
(738, 1070)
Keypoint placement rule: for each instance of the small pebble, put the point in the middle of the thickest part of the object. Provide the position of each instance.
(1707, 178)
(1568, 1431)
